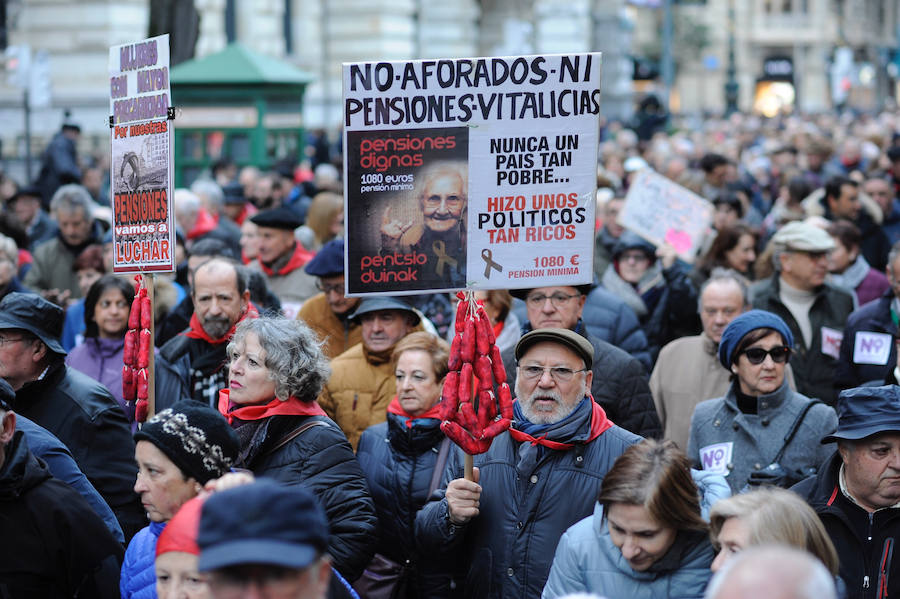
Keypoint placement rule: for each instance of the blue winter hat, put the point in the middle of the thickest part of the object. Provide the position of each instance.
(743, 324)
(328, 261)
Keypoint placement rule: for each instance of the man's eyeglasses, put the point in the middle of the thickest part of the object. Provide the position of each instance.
(560, 374)
(557, 299)
(4, 340)
(326, 289)
(757, 355)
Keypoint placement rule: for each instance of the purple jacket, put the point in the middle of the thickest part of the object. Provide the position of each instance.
(872, 287)
(101, 359)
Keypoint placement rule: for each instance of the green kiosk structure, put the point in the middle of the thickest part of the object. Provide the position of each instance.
(236, 104)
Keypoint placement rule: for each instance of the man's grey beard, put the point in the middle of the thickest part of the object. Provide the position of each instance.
(546, 417)
(216, 326)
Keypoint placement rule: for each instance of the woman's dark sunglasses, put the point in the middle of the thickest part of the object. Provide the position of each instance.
(757, 355)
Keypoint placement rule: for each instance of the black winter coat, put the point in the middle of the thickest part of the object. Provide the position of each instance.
(321, 459)
(814, 371)
(863, 541)
(508, 548)
(85, 417)
(399, 463)
(54, 546)
(874, 317)
(619, 386)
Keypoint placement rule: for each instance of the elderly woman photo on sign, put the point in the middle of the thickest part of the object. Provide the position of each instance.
(760, 432)
(442, 197)
(276, 371)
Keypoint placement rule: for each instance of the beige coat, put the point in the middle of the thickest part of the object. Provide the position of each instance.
(359, 390)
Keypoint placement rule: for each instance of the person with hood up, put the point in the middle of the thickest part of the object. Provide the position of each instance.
(653, 284)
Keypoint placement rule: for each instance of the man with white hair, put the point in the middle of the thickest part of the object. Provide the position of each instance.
(196, 222)
(773, 572)
(51, 272)
(537, 479)
(212, 197)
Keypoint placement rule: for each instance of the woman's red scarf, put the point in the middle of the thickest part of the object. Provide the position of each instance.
(300, 257)
(599, 424)
(395, 408)
(276, 407)
(196, 329)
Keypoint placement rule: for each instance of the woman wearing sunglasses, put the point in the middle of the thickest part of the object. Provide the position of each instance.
(761, 432)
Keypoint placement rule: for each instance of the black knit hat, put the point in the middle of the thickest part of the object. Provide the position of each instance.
(196, 438)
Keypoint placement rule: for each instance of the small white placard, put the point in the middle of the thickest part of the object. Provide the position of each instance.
(831, 342)
(715, 458)
(872, 348)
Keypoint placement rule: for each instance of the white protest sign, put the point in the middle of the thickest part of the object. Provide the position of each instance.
(717, 457)
(660, 210)
(831, 342)
(141, 157)
(872, 348)
(472, 173)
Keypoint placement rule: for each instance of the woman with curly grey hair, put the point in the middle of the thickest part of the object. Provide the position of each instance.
(276, 371)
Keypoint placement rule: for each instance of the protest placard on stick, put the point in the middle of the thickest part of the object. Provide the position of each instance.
(141, 156)
(476, 172)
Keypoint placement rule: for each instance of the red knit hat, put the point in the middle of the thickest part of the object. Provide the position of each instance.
(180, 534)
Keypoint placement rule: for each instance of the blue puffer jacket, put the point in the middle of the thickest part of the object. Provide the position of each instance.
(399, 463)
(587, 562)
(138, 579)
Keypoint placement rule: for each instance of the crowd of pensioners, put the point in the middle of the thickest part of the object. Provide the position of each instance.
(725, 427)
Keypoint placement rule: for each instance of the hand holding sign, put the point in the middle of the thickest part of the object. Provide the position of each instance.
(392, 230)
(666, 254)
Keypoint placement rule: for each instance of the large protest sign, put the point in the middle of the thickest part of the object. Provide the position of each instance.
(662, 211)
(141, 157)
(475, 172)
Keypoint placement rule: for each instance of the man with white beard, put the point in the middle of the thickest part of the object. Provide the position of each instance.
(538, 479)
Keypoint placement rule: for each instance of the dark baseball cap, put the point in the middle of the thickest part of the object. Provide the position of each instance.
(32, 313)
(567, 337)
(866, 411)
(264, 522)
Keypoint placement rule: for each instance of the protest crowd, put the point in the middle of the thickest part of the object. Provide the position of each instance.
(724, 427)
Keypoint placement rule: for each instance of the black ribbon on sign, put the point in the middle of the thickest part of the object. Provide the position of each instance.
(489, 263)
(440, 250)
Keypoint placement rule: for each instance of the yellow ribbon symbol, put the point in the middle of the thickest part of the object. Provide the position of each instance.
(440, 250)
(489, 263)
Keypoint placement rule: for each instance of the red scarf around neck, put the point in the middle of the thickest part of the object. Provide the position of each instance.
(196, 331)
(205, 223)
(599, 424)
(276, 407)
(395, 408)
(299, 257)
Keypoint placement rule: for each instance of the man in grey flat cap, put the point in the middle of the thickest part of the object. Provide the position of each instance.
(814, 310)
